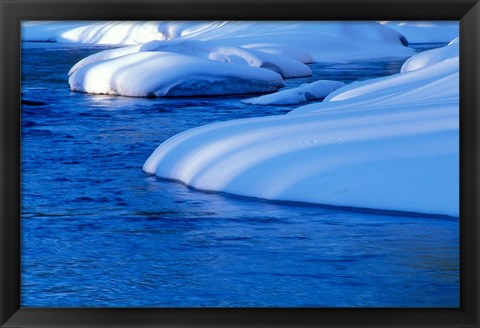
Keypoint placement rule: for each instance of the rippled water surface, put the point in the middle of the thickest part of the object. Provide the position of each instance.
(97, 231)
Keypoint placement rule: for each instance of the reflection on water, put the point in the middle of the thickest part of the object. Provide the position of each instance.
(97, 231)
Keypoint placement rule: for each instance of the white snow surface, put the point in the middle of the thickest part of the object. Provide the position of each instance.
(102, 33)
(285, 66)
(432, 56)
(425, 31)
(157, 74)
(333, 40)
(282, 47)
(389, 144)
(183, 68)
(435, 81)
(305, 92)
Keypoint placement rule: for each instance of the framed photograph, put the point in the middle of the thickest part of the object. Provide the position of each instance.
(240, 163)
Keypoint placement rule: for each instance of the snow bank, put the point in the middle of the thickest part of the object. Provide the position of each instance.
(426, 31)
(48, 31)
(332, 40)
(432, 56)
(280, 47)
(325, 41)
(434, 84)
(305, 92)
(435, 81)
(284, 50)
(149, 74)
(285, 66)
(102, 33)
(108, 72)
(390, 143)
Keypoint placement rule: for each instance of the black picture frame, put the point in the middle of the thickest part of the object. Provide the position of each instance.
(14, 11)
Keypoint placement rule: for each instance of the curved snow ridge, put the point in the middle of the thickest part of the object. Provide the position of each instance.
(437, 83)
(433, 56)
(388, 144)
(104, 55)
(158, 74)
(305, 92)
(426, 31)
(40, 31)
(285, 66)
(113, 71)
(371, 159)
(456, 40)
(101, 33)
(333, 40)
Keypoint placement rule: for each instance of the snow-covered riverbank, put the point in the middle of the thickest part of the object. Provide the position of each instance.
(389, 143)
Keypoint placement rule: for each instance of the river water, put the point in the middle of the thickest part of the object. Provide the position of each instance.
(98, 232)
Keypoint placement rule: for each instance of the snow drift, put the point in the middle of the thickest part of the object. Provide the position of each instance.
(280, 47)
(285, 66)
(388, 144)
(157, 74)
(333, 40)
(432, 57)
(102, 33)
(182, 68)
(426, 31)
(305, 92)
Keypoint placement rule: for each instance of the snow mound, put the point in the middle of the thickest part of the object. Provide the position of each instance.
(103, 69)
(436, 82)
(426, 31)
(333, 40)
(102, 33)
(39, 31)
(390, 144)
(305, 92)
(285, 66)
(432, 56)
(158, 74)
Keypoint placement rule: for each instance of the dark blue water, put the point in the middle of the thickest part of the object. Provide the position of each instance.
(97, 231)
